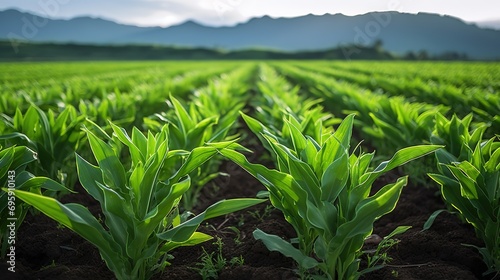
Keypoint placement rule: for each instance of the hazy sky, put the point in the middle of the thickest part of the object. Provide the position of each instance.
(230, 12)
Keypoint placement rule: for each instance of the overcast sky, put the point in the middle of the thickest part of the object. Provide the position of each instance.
(230, 12)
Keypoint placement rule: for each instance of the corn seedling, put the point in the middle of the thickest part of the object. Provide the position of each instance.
(116, 107)
(189, 129)
(470, 181)
(13, 176)
(323, 192)
(53, 138)
(142, 223)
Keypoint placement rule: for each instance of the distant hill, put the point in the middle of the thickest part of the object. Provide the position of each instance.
(493, 24)
(400, 33)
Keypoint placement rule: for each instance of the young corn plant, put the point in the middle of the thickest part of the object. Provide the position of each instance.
(399, 124)
(190, 129)
(53, 137)
(13, 161)
(324, 193)
(13, 176)
(116, 107)
(470, 181)
(278, 98)
(458, 136)
(142, 222)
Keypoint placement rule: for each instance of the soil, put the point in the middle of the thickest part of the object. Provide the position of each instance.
(47, 251)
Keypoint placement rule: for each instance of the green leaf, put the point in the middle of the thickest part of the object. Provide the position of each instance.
(183, 231)
(430, 221)
(400, 157)
(74, 217)
(451, 191)
(275, 243)
(195, 239)
(111, 167)
(335, 178)
(89, 176)
(185, 120)
(369, 210)
(196, 158)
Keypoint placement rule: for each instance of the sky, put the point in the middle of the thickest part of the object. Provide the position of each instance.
(230, 12)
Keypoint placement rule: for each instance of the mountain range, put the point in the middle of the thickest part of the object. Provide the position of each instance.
(397, 32)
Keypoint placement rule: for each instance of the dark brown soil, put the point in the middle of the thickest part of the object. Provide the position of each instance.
(47, 251)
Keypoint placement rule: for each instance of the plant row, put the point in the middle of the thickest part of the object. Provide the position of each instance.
(145, 161)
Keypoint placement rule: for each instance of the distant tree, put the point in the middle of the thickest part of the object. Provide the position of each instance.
(410, 56)
(423, 55)
(378, 45)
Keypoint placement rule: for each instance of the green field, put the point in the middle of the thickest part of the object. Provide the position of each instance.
(144, 138)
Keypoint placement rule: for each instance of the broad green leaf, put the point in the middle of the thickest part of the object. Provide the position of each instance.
(400, 157)
(185, 120)
(122, 135)
(183, 231)
(89, 176)
(74, 217)
(195, 239)
(111, 167)
(369, 210)
(275, 243)
(451, 191)
(335, 178)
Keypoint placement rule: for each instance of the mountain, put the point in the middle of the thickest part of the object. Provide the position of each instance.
(399, 33)
(493, 24)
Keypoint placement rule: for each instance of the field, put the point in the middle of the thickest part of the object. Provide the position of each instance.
(327, 169)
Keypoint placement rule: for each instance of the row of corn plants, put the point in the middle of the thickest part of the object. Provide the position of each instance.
(468, 169)
(145, 180)
(143, 82)
(55, 134)
(469, 176)
(139, 179)
(388, 122)
(485, 103)
(321, 187)
(459, 74)
(140, 203)
(209, 116)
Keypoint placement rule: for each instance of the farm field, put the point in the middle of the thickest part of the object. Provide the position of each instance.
(316, 161)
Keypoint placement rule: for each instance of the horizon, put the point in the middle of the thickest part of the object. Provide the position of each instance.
(234, 12)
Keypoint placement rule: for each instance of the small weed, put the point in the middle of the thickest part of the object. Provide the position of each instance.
(237, 261)
(52, 265)
(213, 263)
(237, 239)
(241, 220)
(381, 256)
(261, 216)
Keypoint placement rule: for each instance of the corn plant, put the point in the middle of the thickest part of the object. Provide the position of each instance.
(13, 161)
(116, 107)
(458, 135)
(53, 137)
(189, 128)
(210, 117)
(470, 181)
(278, 98)
(142, 222)
(324, 193)
(399, 124)
(13, 176)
